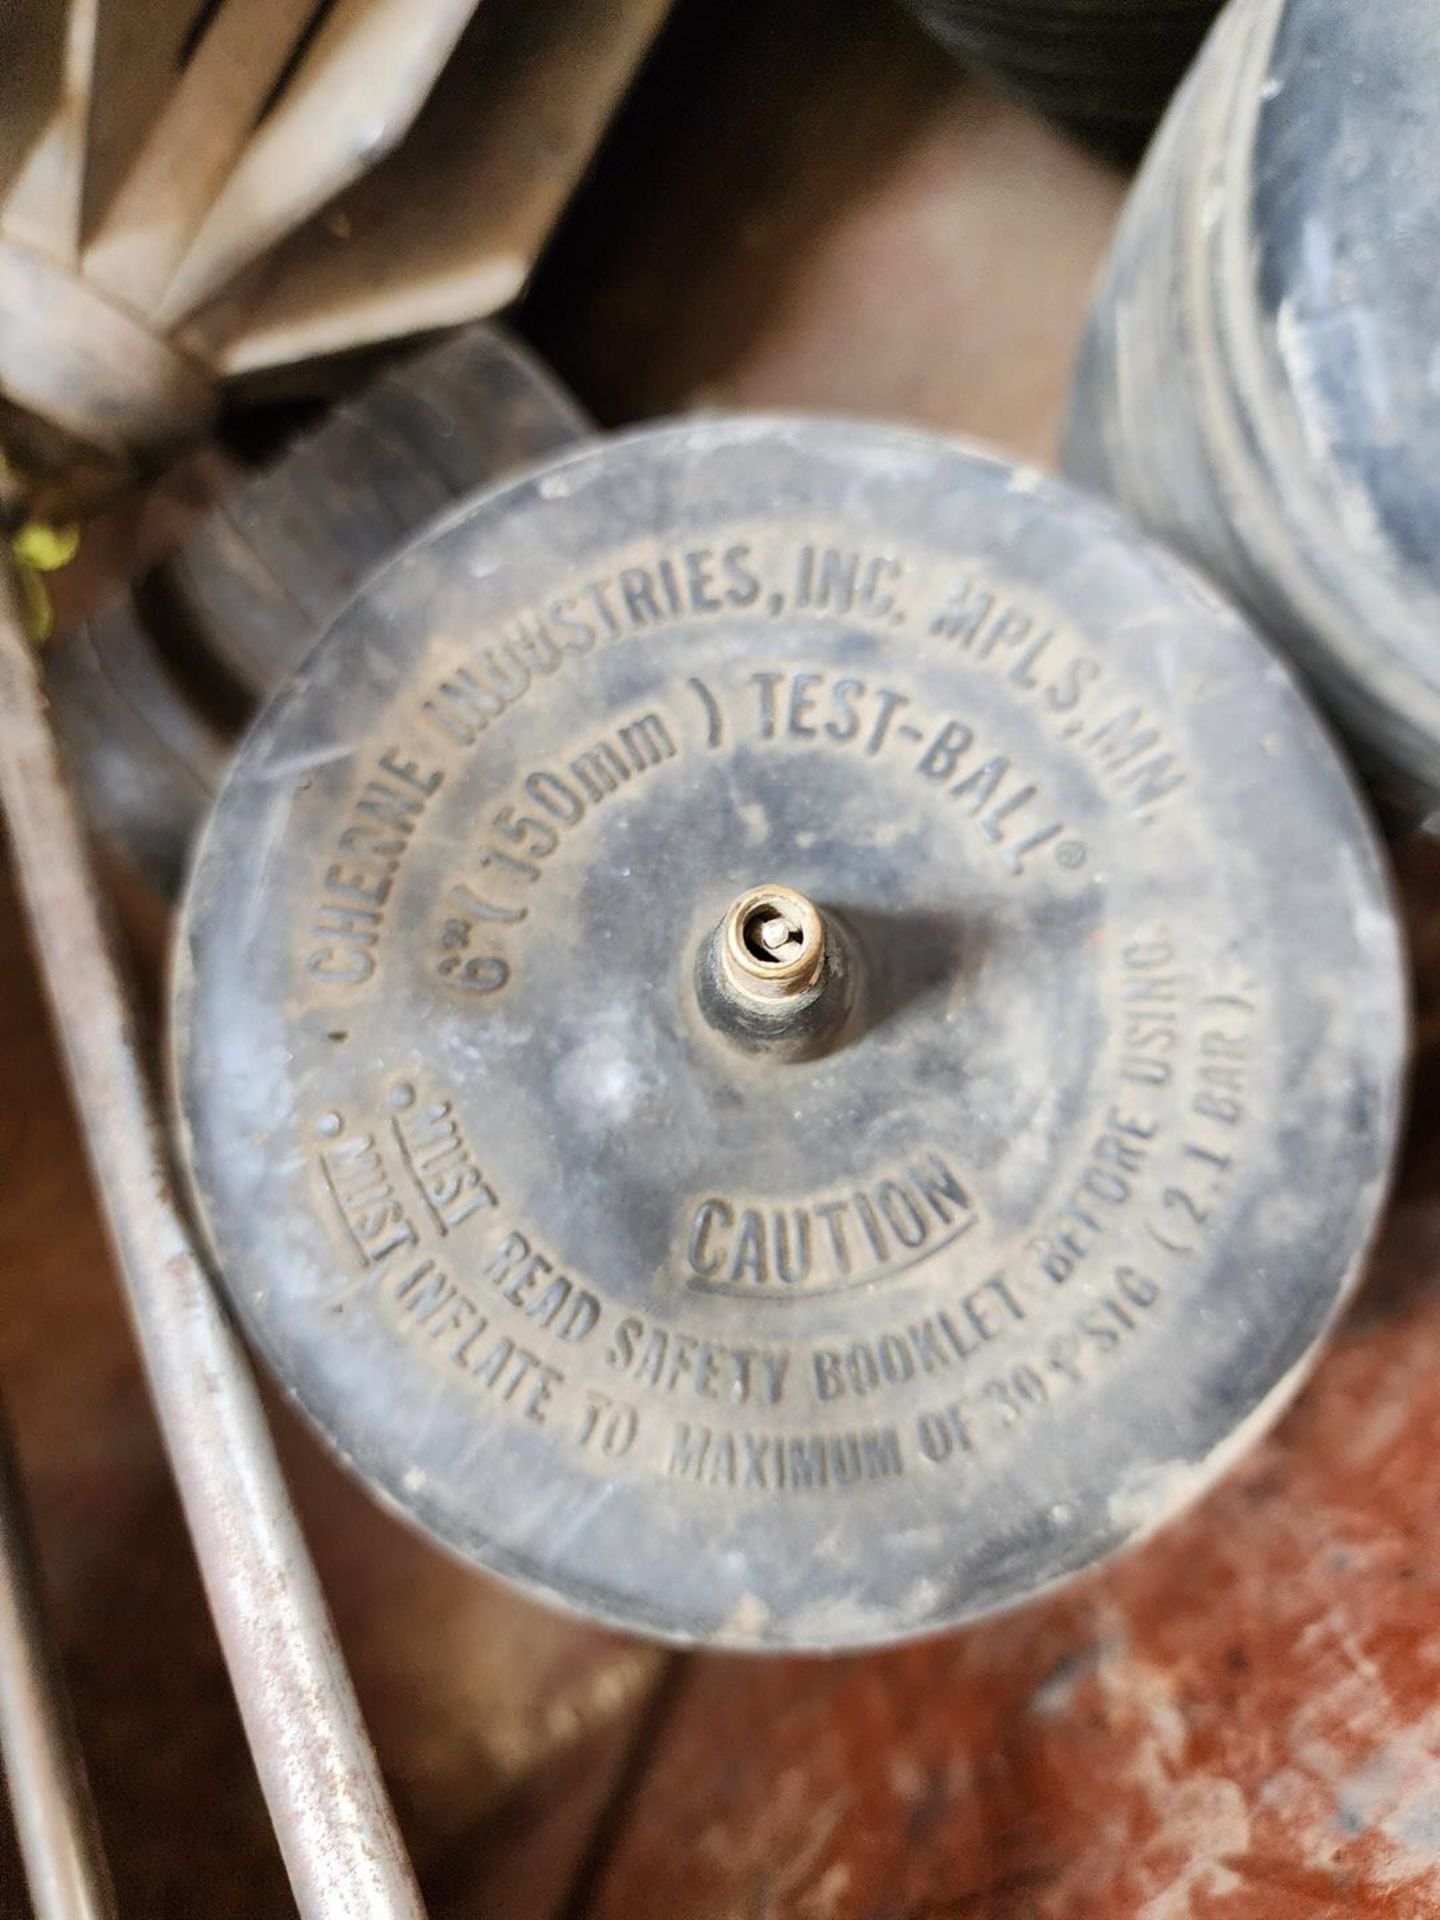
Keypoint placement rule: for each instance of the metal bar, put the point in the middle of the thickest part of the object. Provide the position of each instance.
(317, 1769)
(65, 1867)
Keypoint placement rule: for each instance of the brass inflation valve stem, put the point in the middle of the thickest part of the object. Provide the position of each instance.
(775, 976)
(772, 944)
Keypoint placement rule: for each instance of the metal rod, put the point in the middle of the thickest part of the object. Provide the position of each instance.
(317, 1768)
(64, 1861)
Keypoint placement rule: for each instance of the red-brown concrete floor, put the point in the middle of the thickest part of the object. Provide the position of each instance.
(1238, 1722)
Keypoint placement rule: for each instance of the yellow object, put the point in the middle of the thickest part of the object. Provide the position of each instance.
(40, 548)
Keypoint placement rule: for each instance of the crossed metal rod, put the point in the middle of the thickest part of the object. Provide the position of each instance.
(317, 1768)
